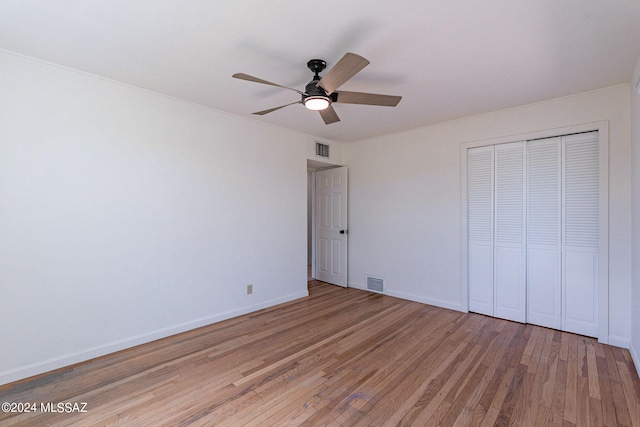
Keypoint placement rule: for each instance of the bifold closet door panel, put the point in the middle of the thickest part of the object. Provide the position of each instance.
(533, 231)
(544, 269)
(480, 229)
(509, 241)
(580, 225)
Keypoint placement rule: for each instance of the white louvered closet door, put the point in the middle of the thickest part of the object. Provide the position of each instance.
(509, 240)
(533, 231)
(544, 278)
(480, 229)
(580, 225)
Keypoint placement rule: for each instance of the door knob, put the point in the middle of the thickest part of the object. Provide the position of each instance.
(344, 231)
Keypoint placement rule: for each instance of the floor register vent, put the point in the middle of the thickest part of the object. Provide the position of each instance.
(375, 284)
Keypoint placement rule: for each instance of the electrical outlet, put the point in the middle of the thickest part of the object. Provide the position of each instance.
(249, 289)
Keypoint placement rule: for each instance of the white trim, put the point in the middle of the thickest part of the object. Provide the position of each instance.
(313, 210)
(603, 252)
(313, 225)
(634, 354)
(360, 286)
(91, 353)
(464, 238)
(410, 297)
(603, 249)
(619, 342)
(430, 301)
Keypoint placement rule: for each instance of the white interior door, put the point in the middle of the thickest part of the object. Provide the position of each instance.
(480, 229)
(544, 278)
(534, 255)
(509, 244)
(331, 226)
(580, 224)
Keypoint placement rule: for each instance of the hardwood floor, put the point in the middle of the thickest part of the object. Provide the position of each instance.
(346, 357)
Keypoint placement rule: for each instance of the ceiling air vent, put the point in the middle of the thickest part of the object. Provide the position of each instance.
(375, 284)
(322, 150)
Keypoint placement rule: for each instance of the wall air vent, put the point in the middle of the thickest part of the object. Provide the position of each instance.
(322, 150)
(375, 284)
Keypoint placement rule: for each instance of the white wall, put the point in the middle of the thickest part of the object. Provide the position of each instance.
(635, 185)
(405, 190)
(127, 216)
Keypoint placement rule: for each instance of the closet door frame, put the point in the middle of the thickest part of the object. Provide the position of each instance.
(603, 249)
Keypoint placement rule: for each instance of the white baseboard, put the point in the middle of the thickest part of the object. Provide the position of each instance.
(618, 341)
(438, 303)
(416, 298)
(91, 353)
(357, 286)
(635, 356)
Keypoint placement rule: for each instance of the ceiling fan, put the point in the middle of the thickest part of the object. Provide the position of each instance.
(321, 92)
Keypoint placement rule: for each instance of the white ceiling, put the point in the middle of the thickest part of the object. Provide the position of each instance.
(448, 59)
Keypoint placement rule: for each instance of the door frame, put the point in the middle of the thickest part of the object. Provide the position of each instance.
(314, 166)
(603, 252)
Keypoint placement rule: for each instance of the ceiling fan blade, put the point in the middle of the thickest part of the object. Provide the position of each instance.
(367, 98)
(329, 115)
(263, 112)
(348, 66)
(243, 76)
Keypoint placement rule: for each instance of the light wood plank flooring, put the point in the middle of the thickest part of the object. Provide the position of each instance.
(346, 357)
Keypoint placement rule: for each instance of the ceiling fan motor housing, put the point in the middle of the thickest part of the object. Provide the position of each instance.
(316, 93)
(312, 90)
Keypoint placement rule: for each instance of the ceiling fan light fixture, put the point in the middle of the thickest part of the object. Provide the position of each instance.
(320, 92)
(316, 103)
